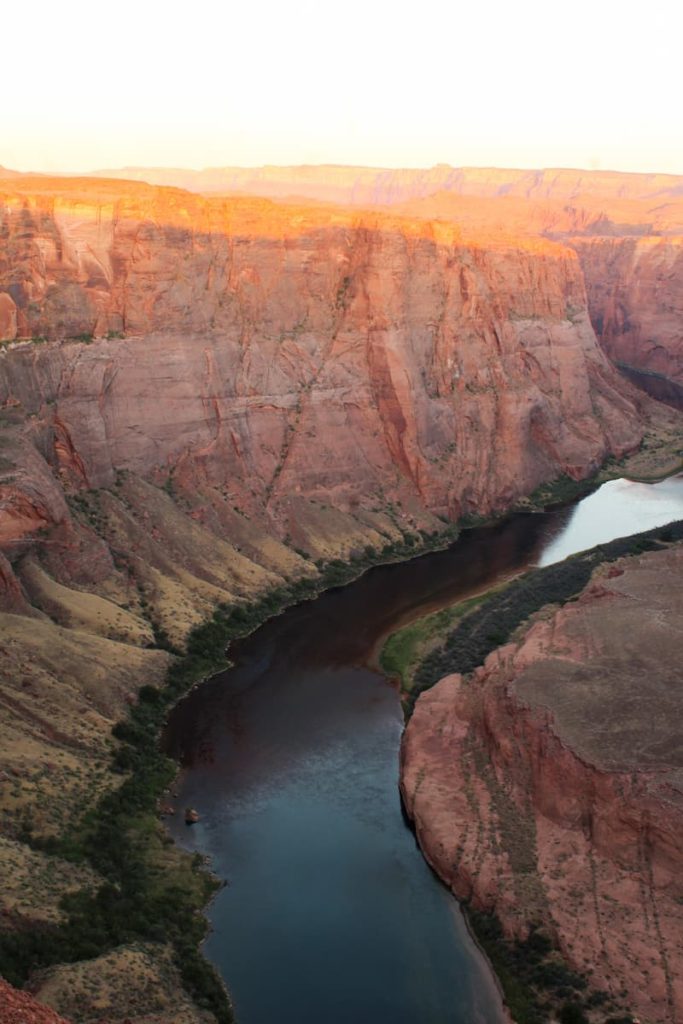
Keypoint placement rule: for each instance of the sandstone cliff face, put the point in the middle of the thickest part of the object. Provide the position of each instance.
(635, 299)
(634, 289)
(301, 355)
(548, 786)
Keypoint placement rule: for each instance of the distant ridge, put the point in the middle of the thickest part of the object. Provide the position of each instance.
(5, 172)
(372, 186)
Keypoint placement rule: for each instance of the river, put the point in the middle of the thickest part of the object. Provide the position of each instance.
(329, 914)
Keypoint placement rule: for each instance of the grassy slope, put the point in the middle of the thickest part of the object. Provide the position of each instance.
(154, 893)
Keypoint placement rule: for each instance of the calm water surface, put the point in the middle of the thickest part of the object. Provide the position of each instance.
(330, 914)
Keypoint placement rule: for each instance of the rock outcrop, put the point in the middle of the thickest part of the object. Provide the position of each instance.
(21, 1008)
(308, 352)
(549, 786)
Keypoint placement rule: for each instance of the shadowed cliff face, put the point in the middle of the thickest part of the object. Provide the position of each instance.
(565, 747)
(635, 299)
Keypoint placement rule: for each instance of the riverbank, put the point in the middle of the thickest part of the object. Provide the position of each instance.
(146, 874)
(143, 905)
(525, 952)
(399, 654)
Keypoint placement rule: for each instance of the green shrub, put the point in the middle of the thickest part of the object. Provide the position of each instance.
(121, 837)
(493, 622)
(572, 1013)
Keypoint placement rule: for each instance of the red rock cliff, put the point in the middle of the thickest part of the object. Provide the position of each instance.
(548, 786)
(635, 298)
(21, 1008)
(295, 351)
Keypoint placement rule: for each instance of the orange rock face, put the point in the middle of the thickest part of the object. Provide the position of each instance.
(288, 351)
(548, 787)
(632, 261)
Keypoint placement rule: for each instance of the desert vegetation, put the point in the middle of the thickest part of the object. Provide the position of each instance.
(494, 620)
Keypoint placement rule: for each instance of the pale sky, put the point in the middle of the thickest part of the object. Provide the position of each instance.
(510, 83)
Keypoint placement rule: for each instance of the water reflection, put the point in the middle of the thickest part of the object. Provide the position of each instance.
(617, 509)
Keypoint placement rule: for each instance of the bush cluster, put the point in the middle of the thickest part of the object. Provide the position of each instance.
(538, 985)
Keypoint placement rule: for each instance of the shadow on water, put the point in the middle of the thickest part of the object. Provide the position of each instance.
(331, 914)
(661, 388)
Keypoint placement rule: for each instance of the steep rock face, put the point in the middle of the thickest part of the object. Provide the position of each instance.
(634, 286)
(635, 299)
(549, 786)
(307, 352)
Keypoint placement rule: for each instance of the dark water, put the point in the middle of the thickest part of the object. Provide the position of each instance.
(331, 915)
(664, 390)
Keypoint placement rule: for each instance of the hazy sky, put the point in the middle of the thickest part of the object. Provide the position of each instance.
(522, 83)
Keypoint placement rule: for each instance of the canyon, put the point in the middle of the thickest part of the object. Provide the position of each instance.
(205, 397)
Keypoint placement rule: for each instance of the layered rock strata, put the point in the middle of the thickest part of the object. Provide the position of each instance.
(304, 352)
(633, 274)
(548, 786)
(635, 299)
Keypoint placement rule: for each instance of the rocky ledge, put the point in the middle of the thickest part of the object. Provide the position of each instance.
(548, 785)
(21, 1008)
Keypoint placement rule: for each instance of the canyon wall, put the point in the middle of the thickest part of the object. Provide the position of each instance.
(635, 299)
(548, 785)
(204, 399)
(631, 262)
(303, 354)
